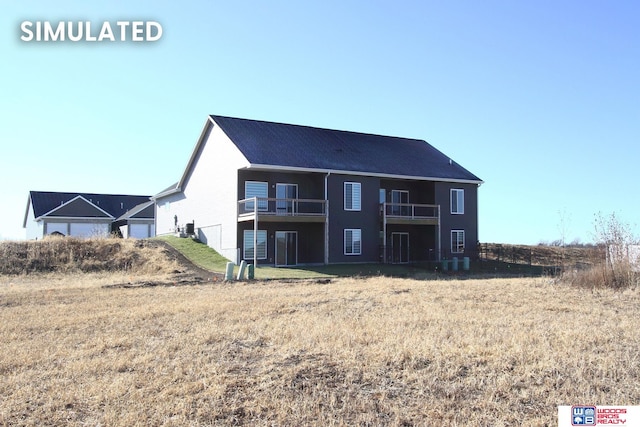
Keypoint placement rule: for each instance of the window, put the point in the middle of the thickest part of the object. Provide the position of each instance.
(248, 244)
(351, 196)
(285, 193)
(457, 201)
(256, 189)
(457, 241)
(352, 242)
(400, 198)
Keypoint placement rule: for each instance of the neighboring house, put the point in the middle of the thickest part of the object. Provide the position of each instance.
(87, 215)
(284, 194)
(138, 222)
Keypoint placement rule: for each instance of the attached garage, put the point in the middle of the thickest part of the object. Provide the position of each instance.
(138, 222)
(57, 227)
(88, 229)
(139, 231)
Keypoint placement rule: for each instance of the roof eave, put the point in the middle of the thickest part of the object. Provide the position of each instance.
(70, 218)
(356, 173)
(166, 193)
(26, 213)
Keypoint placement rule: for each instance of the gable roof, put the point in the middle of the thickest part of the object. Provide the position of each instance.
(144, 210)
(84, 205)
(78, 207)
(172, 188)
(278, 145)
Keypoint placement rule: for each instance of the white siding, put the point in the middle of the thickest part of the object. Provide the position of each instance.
(166, 208)
(209, 196)
(35, 229)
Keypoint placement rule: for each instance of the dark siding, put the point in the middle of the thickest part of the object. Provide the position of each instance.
(147, 212)
(422, 238)
(79, 208)
(367, 219)
(467, 221)
(310, 185)
(420, 192)
(422, 241)
(310, 240)
(310, 236)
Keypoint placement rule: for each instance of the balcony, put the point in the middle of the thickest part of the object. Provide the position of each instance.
(410, 213)
(282, 210)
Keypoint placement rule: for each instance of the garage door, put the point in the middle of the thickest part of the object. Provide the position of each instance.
(60, 227)
(139, 231)
(85, 229)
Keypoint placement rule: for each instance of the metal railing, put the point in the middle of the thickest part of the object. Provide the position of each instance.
(411, 211)
(284, 207)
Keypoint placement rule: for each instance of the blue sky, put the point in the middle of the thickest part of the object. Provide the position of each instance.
(540, 99)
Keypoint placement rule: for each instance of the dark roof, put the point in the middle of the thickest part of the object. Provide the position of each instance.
(79, 207)
(294, 146)
(171, 189)
(144, 210)
(114, 204)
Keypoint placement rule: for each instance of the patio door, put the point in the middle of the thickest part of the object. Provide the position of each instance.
(399, 248)
(397, 197)
(286, 248)
(285, 193)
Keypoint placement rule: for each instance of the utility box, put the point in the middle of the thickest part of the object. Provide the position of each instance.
(190, 229)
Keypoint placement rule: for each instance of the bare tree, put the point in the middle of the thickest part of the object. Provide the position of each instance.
(563, 227)
(615, 237)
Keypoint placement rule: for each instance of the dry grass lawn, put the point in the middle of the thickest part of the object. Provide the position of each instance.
(377, 351)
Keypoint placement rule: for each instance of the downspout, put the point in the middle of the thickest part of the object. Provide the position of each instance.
(384, 230)
(439, 236)
(326, 218)
(255, 232)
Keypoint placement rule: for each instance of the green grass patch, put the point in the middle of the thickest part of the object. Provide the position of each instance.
(198, 253)
(207, 258)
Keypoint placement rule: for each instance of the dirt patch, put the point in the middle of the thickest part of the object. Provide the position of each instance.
(186, 274)
(186, 266)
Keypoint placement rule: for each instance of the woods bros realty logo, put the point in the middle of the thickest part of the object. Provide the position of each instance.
(70, 31)
(591, 415)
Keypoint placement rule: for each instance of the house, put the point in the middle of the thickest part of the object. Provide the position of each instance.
(283, 194)
(86, 215)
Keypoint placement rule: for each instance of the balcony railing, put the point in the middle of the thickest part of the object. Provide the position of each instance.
(282, 207)
(410, 211)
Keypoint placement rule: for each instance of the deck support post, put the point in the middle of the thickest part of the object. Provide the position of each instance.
(255, 232)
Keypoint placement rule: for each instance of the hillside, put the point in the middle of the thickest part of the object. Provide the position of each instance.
(168, 256)
(541, 255)
(70, 255)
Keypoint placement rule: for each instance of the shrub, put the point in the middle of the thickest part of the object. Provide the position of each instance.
(612, 266)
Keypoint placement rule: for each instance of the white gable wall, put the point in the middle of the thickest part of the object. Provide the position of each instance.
(35, 229)
(209, 196)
